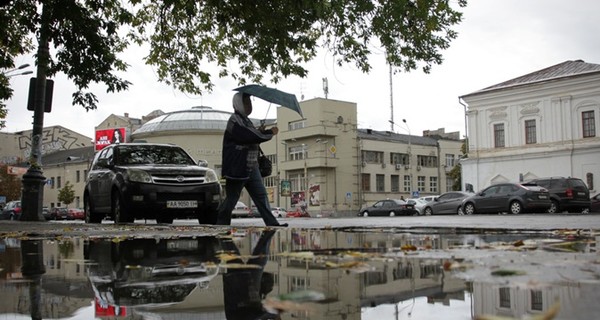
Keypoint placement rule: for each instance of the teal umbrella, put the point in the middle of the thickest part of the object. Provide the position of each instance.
(272, 95)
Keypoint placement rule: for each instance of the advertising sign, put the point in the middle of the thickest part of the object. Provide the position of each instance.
(109, 136)
(286, 188)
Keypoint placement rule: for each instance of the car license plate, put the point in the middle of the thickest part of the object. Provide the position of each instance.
(174, 204)
(542, 197)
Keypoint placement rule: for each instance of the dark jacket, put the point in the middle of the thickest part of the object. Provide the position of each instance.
(240, 147)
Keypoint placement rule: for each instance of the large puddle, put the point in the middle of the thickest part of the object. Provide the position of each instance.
(304, 274)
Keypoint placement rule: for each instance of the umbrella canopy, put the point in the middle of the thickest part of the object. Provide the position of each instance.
(272, 95)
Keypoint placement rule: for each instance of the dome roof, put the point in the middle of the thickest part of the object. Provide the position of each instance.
(196, 118)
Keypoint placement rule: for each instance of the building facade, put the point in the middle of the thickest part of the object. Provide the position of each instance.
(321, 160)
(537, 125)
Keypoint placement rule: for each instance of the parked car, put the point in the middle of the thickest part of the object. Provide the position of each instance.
(59, 213)
(508, 197)
(389, 207)
(418, 203)
(595, 206)
(297, 213)
(75, 214)
(46, 213)
(567, 194)
(241, 210)
(131, 181)
(12, 211)
(447, 203)
(278, 212)
(428, 198)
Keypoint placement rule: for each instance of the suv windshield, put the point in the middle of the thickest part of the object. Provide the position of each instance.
(128, 155)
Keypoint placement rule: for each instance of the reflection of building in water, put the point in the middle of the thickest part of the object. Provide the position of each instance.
(65, 288)
(578, 299)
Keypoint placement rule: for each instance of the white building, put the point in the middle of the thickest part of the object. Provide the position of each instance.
(537, 125)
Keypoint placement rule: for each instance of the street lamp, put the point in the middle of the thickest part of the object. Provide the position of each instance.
(408, 150)
(10, 74)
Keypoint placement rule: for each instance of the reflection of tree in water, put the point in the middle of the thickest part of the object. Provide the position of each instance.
(66, 249)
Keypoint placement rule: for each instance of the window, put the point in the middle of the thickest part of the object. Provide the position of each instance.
(372, 156)
(85, 174)
(52, 183)
(380, 182)
(58, 182)
(403, 271)
(499, 135)
(589, 177)
(77, 176)
(449, 184)
(450, 162)
(433, 184)
(366, 182)
(421, 183)
(395, 183)
(297, 153)
(296, 125)
(588, 124)
(537, 302)
(504, 297)
(399, 158)
(530, 137)
(427, 161)
(296, 182)
(407, 183)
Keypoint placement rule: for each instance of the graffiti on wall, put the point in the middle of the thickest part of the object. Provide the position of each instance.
(53, 139)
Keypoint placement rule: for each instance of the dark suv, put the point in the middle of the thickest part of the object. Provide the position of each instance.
(150, 181)
(567, 194)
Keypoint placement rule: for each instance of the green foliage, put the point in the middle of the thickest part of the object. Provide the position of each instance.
(66, 194)
(10, 184)
(456, 172)
(246, 40)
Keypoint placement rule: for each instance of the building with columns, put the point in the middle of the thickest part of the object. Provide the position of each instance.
(538, 125)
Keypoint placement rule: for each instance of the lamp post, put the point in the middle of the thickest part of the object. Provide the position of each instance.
(408, 151)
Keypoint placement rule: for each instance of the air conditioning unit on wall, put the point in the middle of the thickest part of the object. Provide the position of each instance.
(418, 168)
(398, 166)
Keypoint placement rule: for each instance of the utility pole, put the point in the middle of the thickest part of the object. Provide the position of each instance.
(32, 197)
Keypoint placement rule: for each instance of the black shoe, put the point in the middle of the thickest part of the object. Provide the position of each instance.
(280, 225)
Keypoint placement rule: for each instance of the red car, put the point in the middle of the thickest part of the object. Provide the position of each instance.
(75, 214)
(298, 213)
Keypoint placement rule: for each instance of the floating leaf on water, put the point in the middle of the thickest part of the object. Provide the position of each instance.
(408, 247)
(518, 243)
(299, 255)
(507, 273)
(224, 257)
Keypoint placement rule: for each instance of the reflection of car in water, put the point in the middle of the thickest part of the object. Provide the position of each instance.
(140, 272)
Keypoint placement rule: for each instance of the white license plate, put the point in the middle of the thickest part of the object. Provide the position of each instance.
(542, 197)
(182, 204)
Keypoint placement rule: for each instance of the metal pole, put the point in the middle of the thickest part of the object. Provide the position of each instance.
(32, 197)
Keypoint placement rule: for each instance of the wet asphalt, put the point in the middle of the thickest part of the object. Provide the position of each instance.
(523, 222)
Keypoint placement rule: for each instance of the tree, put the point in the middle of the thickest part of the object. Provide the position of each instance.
(247, 40)
(10, 184)
(66, 194)
(456, 172)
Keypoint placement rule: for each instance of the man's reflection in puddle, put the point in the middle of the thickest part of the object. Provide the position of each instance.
(244, 288)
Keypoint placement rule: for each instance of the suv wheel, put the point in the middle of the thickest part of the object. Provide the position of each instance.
(554, 207)
(90, 215)
(119, 211)
(209, 216)
(166, 220)
(515, 207)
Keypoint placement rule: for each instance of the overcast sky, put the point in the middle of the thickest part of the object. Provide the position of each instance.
(498, 40)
